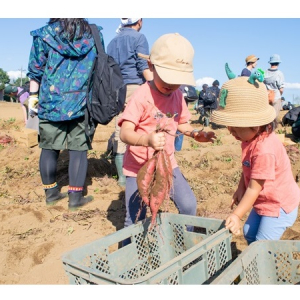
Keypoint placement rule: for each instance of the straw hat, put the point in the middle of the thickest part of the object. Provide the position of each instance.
(245, 104)
(172, 54)
(251, 58)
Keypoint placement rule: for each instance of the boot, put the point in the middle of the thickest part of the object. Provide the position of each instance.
(53, 196)
(76, 200)
(119, 165)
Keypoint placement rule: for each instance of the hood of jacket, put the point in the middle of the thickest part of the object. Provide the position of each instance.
(50, 34)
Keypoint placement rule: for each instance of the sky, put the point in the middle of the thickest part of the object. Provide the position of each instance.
(217, 37)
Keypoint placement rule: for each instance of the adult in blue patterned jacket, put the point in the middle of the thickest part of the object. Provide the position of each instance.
(60, 61)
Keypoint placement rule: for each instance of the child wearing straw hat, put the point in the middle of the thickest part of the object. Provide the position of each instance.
(267, 184)
(153, 104)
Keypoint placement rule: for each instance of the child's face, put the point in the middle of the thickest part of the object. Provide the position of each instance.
(161, 86)
(243, 133)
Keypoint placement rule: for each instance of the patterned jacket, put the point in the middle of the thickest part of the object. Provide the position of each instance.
(62, 69)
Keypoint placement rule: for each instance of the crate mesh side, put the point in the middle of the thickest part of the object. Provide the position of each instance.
(148, 253)
(210, 232)
(212, 257)
(211, 262)
(251, 272)
(173, 279)
(283, 267)
(223, 255)
(178, 238)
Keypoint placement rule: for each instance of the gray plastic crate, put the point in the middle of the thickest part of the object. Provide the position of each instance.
(264, 262)
(165, 254)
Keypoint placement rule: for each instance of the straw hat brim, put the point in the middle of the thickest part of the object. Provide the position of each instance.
(244, 119)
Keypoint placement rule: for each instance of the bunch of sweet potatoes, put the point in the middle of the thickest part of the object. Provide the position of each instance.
(154, 181)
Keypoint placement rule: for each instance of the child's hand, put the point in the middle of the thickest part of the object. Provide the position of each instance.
(203, 136)
(157, 140)
(233, 223)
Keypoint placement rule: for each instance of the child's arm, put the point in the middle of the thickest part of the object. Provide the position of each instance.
(233, 221)
(198, 135)
(156, 140)
(239, 193)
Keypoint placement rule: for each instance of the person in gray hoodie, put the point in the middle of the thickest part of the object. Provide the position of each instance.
(274, 80)
(60, 61)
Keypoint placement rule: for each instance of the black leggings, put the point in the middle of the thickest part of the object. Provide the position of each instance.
(77, 167)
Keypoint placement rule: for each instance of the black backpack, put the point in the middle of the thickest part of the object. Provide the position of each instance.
(296, 128)
(291, 116)
(190, 93)
(210, 97)
(106, 91)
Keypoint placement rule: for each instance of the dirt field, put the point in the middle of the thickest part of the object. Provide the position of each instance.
(33, 236)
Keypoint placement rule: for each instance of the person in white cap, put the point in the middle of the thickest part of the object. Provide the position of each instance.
(157, 103)
(274, 80)
(267, 186)
(124, 48)
(251, 62)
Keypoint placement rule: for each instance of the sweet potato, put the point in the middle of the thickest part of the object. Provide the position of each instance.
(154, 181)
(162, 183)
(145, 178)
(167, 161)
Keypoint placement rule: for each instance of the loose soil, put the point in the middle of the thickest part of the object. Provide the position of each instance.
(34, 236)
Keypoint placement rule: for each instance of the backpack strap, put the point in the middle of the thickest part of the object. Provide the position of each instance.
(90, 126)
(21, 93)
(100, 51)
(96, 36)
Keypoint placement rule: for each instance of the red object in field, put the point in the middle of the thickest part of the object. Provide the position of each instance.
(5, 139)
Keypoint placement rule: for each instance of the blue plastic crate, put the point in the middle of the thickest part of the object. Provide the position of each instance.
(165, 254)
(264, 262)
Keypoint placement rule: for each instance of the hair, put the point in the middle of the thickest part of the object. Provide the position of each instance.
(72, 28)
(274, 64)
(269, 128)
(250, 63)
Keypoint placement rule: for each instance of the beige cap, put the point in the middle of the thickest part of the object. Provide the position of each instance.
(173, 55)
(251, 58)
(246, 104)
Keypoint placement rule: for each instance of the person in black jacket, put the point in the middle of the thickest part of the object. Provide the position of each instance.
(210, 102)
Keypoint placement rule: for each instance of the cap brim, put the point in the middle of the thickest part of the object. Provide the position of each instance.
(253, 61)
(238, 119)
(171, 76)
(144, 56)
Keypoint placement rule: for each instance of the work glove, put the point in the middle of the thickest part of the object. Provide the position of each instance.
(33, 101)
